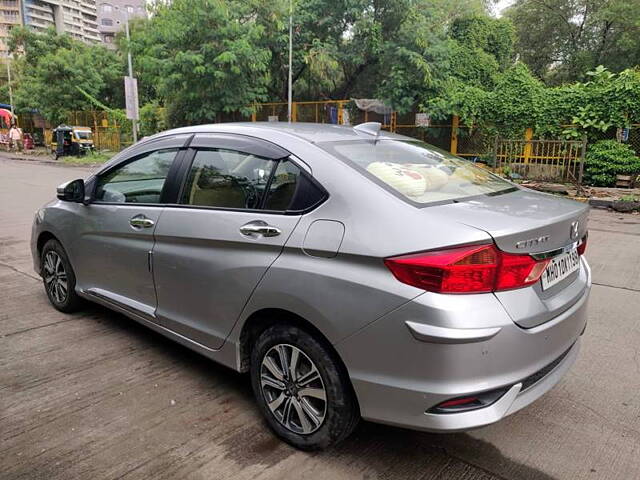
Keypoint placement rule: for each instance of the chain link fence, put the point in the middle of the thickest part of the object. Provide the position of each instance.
(627, 135)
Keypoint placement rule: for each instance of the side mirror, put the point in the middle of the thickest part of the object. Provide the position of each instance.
(72, 191)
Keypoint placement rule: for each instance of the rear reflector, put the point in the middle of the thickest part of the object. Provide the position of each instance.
(465, 404)
(458, 401)
(472, 269)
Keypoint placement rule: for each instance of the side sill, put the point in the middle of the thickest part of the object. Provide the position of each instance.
(145, 319)
(126, 305)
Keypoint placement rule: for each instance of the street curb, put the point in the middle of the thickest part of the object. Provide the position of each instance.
(616, 205)
(601, 202)
(43, 161)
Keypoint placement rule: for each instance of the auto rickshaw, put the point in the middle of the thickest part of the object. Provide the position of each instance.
(66, 140)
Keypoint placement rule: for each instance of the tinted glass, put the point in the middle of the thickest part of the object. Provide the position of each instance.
(417, 171)
(228, 179)
(139, 181)
(283, 186)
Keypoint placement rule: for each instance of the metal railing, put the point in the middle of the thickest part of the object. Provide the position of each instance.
(324, 111)
(558, 160)
(104, 138)
(551, 160)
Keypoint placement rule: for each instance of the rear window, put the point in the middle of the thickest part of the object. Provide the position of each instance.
(417, 171)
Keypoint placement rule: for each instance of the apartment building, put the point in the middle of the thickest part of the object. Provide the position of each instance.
(112, 15)
(10, 16)
(78, 18)
(86, 20)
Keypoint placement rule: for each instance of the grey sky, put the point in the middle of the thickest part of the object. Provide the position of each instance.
(501, 5)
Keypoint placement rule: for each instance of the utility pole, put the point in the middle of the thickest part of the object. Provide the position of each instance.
(134, 121)
(9, 83)
(289, 104)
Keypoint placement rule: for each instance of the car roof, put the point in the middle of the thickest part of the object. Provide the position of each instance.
(311, 132)
(278, 133)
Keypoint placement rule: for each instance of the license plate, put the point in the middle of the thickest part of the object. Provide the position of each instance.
(559, 268)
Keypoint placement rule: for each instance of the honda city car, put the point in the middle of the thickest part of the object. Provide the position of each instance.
(353, 273)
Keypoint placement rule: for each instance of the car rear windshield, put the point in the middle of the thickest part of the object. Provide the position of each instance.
(416, 171)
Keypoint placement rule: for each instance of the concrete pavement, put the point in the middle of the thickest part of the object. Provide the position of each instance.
(94, 395)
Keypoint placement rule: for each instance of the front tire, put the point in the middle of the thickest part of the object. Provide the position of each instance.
(301, 389)
(59, 278)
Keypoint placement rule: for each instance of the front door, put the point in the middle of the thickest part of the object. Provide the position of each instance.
(113, 251)
(214, 246)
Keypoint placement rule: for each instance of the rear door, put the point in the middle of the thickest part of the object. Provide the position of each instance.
(228, 225)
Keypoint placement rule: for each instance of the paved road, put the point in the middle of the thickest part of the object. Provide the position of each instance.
(94, 395)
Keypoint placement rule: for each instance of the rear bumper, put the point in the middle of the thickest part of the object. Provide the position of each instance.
(475, 347)
(509, 403)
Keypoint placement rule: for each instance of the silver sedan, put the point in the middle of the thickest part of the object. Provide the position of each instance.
(353, 273)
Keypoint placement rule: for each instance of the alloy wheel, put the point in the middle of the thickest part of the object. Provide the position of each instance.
(55, 277)
(293, 389)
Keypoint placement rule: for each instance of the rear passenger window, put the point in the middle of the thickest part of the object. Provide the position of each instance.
(293, 190)
(228, 179)
(283, 186)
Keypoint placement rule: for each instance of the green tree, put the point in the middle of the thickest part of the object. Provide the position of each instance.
(365, 48)
(435, 46)
(201, 69)
(236, 53)
(561, 40)
(52, 69)
(466, 66)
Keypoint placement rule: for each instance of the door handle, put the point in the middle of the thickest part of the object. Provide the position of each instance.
(260, 228)
(140, 221)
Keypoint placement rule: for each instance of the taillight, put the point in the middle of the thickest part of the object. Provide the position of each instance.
(518, 271)
(582, 246)
(473, 269)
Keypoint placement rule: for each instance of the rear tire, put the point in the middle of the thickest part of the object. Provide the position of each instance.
(59, 278)
(309, 403)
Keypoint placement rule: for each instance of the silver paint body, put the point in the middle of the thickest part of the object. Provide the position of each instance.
(405, 350)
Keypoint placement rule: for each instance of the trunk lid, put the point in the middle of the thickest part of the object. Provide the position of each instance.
(525, 221)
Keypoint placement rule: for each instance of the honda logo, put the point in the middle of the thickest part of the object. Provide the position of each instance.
(574, 232)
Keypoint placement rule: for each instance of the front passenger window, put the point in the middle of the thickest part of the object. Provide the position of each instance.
(139, 181)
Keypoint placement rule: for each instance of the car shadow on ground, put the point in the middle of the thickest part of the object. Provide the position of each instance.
(386, 450)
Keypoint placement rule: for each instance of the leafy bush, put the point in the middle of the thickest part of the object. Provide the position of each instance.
(153, 119)
(519, 100)
(606, 159)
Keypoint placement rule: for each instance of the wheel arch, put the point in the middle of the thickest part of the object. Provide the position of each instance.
(264, 318)
(260, 320)
(43, 238)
